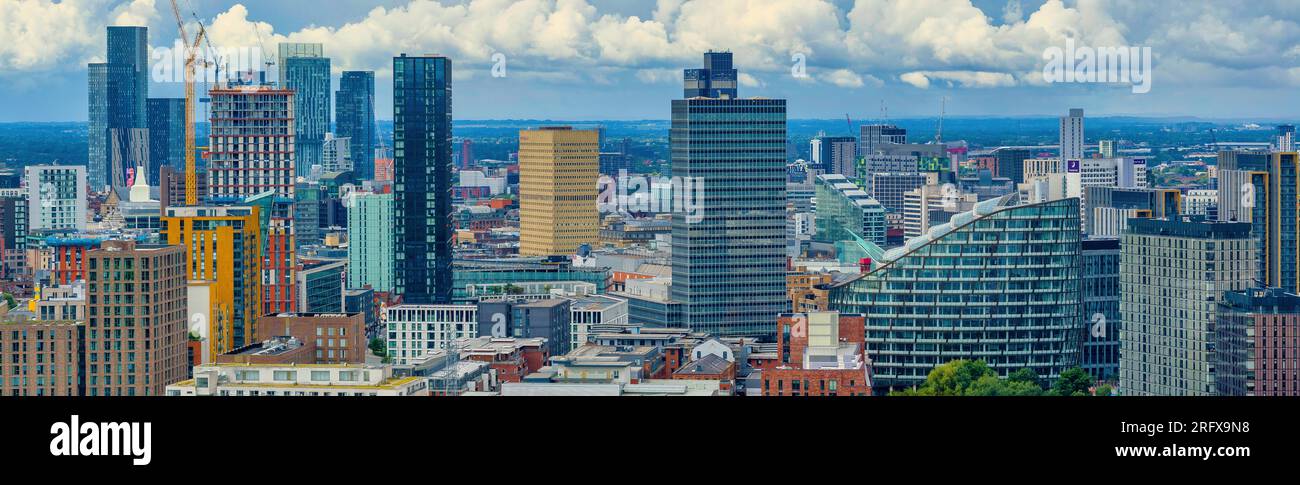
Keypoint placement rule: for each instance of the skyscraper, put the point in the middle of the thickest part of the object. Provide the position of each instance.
(1020, 309)
(729, 260)
(422, 178)
(718, 79)
(1172, 274)
(56, 197)
(307, 73)
(1100, 279)
(252, 163)
(166, 136)
(354, 110)
(558, 170)
(1072, 135)
(370, 242)
(117, 108)
(1261, 189)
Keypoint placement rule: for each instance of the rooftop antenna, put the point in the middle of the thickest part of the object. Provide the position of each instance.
(943, 109)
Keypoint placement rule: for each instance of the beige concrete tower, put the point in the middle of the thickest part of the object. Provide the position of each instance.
(558, 169)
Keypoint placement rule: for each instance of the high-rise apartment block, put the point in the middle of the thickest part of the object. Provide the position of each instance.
(56, 197)
(1072, 135)
(1255, 339)
(558, 171)
(422, 178)
(1173, 273)
(136, 324)
(370, 244)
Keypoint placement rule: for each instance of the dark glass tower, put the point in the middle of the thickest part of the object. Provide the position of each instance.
(354, 111)
(166, 135)
(716, 80)
(729, 262)
(422, 178)
(117, 113)
(309, 77)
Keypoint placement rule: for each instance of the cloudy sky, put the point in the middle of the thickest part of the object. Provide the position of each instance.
(622, 59)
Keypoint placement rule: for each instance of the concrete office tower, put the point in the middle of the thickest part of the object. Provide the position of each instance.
(718, 79)
(118, 88)
(354, 113)
(306, 71)
(872, 137)
(370, 242)
(836, 154)
(1072, 135)
(1107, 148)
(136, 319)
(558, 170)
(1173, 273)
(1254, 343)
(422, 178)
(923, 311)
(729, 258)
(1101, 307)
(56, 197)
(1261, 189)
(223, 254)
(166, 136)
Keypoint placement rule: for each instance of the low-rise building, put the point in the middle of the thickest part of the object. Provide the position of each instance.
(819, 354)
(298, 380)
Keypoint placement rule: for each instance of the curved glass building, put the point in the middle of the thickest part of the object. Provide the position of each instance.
(1000, 283)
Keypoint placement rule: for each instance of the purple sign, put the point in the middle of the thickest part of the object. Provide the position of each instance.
(1072, 166)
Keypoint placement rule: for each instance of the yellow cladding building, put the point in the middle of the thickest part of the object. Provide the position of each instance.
(223, 246)
(558, 170)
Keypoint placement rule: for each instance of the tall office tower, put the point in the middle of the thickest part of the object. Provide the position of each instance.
(729, 259)
(718, 79)
(354, 113)
(166, 136)
(252, 162)
(13, 233)
(987, 314)
(846, 213)
(1255, 343)
(223, 263)
(308, 76)
(836, 154)
(136, 332)
(558, 169)
(1285, 138)
(1107, 148)
(872, 137)
(370, 243)
(118, 124)
(1011, 163)
(466, 154)
(1172, 274)
(1072, 135)
(422, 178)
(1261, 189)
(1101, 307)
(56, 197)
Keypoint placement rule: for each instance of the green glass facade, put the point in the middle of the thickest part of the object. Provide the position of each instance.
(370, 242)
(999, 284)
(846, 213)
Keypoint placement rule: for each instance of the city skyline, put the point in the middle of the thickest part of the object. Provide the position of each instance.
(856, 54)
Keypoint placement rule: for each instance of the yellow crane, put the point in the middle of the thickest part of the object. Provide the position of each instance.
(191, 59)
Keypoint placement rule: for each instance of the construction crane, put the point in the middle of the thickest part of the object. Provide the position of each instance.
(191, 59)
(943, 110)
(850, 121)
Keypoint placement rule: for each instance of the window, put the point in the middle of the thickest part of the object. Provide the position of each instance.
(320, 376)
(284, 375)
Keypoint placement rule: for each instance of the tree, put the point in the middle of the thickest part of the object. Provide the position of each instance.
(1105, 390)
(1025, 375)
(379, 347)
(1073, 382)
(974, 378)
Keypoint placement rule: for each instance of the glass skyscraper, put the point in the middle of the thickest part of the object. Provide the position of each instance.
(309, 78)
(999, 284)
(729, 262)
(422, 178)
(1101, 308)
(118, 118)
(166, 135)
(354, 111)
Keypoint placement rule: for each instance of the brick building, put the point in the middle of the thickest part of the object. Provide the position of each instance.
(819, 354)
